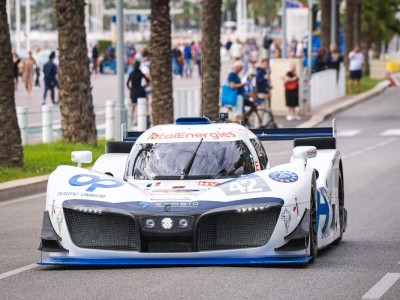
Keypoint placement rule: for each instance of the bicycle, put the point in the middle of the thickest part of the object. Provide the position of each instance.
(262, 117)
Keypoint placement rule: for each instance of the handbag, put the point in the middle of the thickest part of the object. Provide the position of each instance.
(228, 96)
(292, 85)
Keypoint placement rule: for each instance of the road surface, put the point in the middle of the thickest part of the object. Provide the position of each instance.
(365, 265)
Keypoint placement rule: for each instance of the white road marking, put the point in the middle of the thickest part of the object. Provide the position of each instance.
(348, 133)
(22, 199)
(17, 271)
(382, 286)
(391, 132)
(381, 144)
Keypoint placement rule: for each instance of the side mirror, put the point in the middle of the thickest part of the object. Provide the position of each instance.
(304, 152)
(81, 157)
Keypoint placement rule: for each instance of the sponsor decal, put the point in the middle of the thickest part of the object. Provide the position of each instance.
(157, 184)
(148, 185)
(257, 165)
(186, 135)
(59, 220)
(208, 183)
(75, 194)
(93, 182)
(186, 191)
(286, 218)
(312, 152)
(323, 210)
(53, 210)
(170, 204)
(284, 176)
(245, 185)
(178, 187)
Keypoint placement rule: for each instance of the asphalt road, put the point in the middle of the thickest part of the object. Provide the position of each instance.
(369, 138)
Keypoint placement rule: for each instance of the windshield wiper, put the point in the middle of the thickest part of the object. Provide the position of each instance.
(186, 170)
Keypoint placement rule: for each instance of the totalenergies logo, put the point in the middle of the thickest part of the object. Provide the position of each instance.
(183, 135)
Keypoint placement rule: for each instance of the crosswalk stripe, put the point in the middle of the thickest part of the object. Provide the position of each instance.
(391, 132)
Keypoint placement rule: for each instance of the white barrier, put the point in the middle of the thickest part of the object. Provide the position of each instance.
(22, 115)
(327, 86)
(187, 102)
(141, 114)
(110, 119)
(128, 104)
(47, 124)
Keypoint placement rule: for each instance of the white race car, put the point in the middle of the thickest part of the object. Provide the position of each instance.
(197, 192)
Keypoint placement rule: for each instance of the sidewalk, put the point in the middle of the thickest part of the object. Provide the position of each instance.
(28, 186)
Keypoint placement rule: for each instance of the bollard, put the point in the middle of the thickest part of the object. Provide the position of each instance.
(22, 115)
(47, 124)
(141, 114)
(110, 118)
(128, 113)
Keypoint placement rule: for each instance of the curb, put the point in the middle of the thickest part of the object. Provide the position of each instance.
(28, 186)
(337, 106)
(23, 187)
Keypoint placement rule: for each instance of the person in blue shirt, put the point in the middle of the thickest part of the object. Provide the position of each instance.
(235, 82)
(187, 61)
(50, 78)
(263, 75)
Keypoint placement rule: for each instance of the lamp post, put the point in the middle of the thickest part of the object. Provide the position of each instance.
(120, 111)
(284, 42)
(28, 24)
(333, 22)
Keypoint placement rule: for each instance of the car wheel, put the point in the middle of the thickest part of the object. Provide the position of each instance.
(313, 227)
(341, 208)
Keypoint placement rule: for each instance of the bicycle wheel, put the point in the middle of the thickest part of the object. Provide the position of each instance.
(265, 117)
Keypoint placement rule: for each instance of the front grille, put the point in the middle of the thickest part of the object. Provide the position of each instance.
(170, 247)
(236, 230)
(106, 231)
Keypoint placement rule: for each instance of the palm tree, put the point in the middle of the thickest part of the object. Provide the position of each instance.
(211, 60)
(160, 60)
(325, 6)
(75, 93)
(11, 153)
(348, 34)
(357, 23)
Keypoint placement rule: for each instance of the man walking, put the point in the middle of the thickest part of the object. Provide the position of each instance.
(50, 78)
(263, 75)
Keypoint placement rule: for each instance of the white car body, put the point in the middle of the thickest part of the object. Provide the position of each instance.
(223, 216)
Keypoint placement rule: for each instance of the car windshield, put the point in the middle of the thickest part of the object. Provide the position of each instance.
(170, 161)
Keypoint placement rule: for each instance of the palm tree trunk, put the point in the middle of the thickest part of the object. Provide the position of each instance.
(211, 60)
(357, 23)
(348, 34)
(75, 93)
(325, 6)
(11, 152)
(161, 65)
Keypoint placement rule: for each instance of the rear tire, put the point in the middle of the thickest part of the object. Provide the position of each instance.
(341, 208)
(313, 227)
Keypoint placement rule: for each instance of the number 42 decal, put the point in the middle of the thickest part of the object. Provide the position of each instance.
(245, 186)
(253, 184)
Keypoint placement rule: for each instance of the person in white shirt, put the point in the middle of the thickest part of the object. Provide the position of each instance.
(356, 61)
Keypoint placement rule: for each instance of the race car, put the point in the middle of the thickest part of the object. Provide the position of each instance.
(197, 192)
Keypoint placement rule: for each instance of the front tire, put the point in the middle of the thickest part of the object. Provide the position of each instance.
(341, 209)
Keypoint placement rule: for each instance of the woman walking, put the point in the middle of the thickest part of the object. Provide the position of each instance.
(291, 82)
(135, 86)
(28, 72)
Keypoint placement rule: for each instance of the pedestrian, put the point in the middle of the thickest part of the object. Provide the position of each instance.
(250, 93)
(235, 82)
(176, 60)
(50, 78)
(95, 57)
(334, 59)
(321, 63)
(263, 76)
(28, 71)
(16, 61)
(291, 82)
(356, 61)
(134, 84)
(187, 61)
(38, 65)
(198, 58)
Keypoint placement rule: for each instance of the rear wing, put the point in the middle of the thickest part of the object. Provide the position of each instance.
(280, 134)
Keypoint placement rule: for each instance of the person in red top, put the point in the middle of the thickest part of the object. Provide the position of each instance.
(291, 82)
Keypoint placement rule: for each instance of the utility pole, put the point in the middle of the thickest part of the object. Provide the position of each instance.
(120, 113)
(333, 22)
(28, 25)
